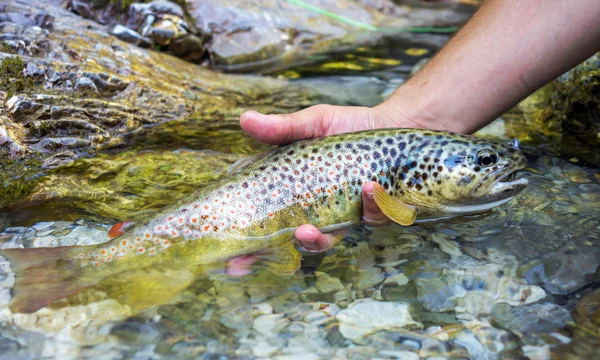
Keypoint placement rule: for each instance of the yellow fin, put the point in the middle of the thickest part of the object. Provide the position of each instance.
(393, 208)
(145, 288)
(283, 260)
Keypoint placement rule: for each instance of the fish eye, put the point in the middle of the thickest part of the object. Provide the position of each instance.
(486, 158)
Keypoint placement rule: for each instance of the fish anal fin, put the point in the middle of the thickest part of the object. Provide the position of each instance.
(144, 288)
(42, 276)
(393, 208)
(283, 260)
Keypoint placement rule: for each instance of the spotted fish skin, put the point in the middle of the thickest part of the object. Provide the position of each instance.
(315, 182)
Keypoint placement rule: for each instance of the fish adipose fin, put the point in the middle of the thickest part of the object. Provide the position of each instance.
(393, 208)
(42, 276)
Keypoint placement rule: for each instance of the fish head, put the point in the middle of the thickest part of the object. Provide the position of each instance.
(464, 175)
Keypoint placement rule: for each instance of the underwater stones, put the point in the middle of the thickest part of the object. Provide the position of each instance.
(326, 283)
(367, 316)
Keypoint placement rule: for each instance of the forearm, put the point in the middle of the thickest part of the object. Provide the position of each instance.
(509, 49)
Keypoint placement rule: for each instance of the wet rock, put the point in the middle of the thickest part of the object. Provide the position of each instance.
(367, 316)
(86, 92)
(131, 36)
(283, 34)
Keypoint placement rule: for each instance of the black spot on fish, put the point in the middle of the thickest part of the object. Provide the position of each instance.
(376, 155)
(405, 169)
(413, 164)
(275, 168)
(262, 168)
(429, 192)
(424, 176)
(426, 159)
(389, 141)
(291, 152)
(422, 166)
(444, 143)
(393, 152)
(338, 146)
(476, 168)
(378, 142)
(364, 147)
(418, 187)
(402, 145)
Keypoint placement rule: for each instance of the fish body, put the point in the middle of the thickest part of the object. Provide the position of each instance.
(420, 174)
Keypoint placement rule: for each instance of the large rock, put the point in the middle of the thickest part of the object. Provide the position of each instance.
(71, 91)
(269, 36)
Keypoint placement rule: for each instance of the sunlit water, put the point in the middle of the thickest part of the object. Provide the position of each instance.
(497, 285)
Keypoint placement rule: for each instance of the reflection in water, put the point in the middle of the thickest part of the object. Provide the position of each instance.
(495, 285)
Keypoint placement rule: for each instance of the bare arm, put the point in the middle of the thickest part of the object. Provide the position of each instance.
(509, 49)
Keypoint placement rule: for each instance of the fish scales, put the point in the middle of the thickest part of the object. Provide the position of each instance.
(316, 181)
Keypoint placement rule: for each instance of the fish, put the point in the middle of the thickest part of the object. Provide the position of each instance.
(419, 175)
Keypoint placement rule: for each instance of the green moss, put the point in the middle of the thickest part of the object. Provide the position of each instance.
(18, 178)
(12, 79)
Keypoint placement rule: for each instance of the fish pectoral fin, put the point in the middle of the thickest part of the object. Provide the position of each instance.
(393, 208)
(283, 260)
(144, 288)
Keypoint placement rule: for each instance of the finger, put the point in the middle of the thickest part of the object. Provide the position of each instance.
(313, 240)
(372, 215)
(240, 266)
(284, 128)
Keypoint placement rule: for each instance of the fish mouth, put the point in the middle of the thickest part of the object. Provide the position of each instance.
(506, 184)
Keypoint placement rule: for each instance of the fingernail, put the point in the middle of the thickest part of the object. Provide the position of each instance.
(370, 195)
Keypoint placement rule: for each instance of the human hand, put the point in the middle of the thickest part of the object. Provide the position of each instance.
(318, 121)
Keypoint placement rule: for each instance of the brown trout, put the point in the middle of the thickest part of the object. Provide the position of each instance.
(420, 174)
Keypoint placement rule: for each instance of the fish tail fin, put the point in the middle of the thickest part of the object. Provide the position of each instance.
(42, 275)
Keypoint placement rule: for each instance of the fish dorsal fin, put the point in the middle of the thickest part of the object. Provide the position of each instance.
(244, 162)
(393, 208)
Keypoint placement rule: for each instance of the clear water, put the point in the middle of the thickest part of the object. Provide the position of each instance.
(498, 285)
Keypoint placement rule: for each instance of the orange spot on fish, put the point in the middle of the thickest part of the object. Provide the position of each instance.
(382, 173)
(233, 226)
(355, 171)
(147, 236)
(141, 250)
(335, 187)
(329, 191)
(124, 243)
(131, 246)
(251, 206)
(194, 220)
(91, 252)
(305, 204)
(195, 206)
(166, 242)
(271, 214)
(214, 217)
(118, 229)
(138, 240)
(331, 173)
(151, 251)
(181, 220)
(206, 228)
(174, 233)
(318, 191)
(103, 252)
(159, 228)
(170, 218)
(123, 251)
(205, 207)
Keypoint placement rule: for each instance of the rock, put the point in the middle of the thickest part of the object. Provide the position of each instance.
(327, 284)
(131, 36)
(281, 34)
(367, 316)
(86, 92)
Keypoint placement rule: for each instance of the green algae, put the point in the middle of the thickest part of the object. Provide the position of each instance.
(124, 186)
(12, 80)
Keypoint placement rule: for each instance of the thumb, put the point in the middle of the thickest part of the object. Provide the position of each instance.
(309, 123)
